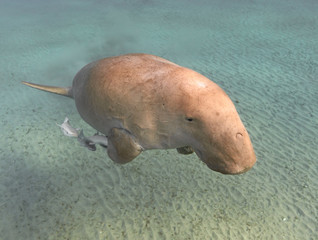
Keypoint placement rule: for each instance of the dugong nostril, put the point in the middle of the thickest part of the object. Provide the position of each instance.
(239, 135)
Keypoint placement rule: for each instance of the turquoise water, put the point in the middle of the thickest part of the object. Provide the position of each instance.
(264, 54)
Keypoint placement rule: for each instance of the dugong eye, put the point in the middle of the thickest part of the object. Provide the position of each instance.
(189, 119)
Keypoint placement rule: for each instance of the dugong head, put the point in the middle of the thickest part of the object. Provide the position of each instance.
(212, 126)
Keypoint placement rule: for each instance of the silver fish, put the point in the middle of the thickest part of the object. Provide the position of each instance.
(90, 142)
(67, 129)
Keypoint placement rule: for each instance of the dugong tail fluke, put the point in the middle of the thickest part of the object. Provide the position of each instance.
(64, 91)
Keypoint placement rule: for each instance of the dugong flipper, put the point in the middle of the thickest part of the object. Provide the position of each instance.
(122, 147)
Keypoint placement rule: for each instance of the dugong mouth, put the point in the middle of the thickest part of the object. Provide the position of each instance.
(231, 171)
(226, 166)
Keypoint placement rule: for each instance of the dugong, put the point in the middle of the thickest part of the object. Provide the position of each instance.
(142, 102)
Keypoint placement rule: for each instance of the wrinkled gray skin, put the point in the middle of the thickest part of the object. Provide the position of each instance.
(143, 102)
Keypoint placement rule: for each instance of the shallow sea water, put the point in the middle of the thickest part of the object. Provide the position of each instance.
(264, 54)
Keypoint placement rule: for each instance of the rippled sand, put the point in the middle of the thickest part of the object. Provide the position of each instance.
(264, 54)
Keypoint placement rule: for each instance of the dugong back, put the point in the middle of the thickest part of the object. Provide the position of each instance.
(125, 92)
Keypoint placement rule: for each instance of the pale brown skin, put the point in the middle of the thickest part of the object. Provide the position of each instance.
(145, 102)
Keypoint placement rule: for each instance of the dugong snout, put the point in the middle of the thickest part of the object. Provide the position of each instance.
(227, 164)
(216, 132)
(229, 153)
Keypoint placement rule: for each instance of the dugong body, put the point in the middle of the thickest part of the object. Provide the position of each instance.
(142, 102)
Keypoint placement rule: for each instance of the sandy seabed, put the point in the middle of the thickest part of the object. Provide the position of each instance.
(264, 54)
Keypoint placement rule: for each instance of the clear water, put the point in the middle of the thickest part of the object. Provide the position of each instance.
(264, 54)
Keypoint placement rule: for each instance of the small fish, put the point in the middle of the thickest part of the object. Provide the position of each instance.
(67, 129)
(90, 142)
(85, 142)
(98, 139)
